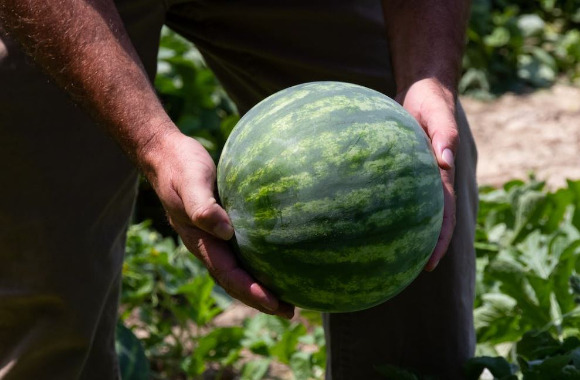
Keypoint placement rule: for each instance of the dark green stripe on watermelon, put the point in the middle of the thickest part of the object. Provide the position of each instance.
(334, 194)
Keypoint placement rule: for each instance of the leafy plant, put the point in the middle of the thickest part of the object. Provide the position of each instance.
(169, 297)
(278, 339)
(528, 250)
(527, 309)
(539, 356)
(171, 301)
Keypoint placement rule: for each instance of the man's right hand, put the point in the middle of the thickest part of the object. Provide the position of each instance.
(183, 175)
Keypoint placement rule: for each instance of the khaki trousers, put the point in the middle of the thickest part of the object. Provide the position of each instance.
(67, 192)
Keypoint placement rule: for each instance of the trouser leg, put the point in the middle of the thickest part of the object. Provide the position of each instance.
(66, 196)
(259, 47)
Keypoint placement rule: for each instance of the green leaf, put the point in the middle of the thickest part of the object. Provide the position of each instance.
(255, 369)
(474, 78)
(499, 37)
(262, 332)
(534, 70)
(198, 293)
(132, 360)
(557, 204)
(301, 365)
(575, 285)
(575, 353)
(497, 321)
(568, 46)
(524, 286)
(528, 209)
(312, 317)
(499, 367)
(221, 345)
(574, 187)
(563, 274)
(555, 367)
(531, 24)
(572, 344)
(286, 345)
(537, 345)
(534, 254)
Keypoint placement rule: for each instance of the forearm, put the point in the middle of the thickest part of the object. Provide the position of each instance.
(426, 39)
(83, 46)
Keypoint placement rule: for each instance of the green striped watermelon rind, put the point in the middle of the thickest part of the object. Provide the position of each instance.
(334, 194)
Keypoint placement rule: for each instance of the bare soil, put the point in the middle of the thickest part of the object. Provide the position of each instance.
(519, 134)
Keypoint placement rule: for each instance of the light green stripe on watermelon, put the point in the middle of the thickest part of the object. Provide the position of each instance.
(342, 101)
(357, 145)
(344, 130)
(302, 220)
(353, 253)
(334, 195)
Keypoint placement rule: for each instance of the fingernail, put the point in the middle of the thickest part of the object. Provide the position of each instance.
(448, 158)
(224, 231)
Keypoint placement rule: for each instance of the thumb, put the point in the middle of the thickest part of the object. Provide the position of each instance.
(206, 214)
(442, 129)
(201, 206)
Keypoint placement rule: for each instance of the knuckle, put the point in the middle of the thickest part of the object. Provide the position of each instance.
(203, 214)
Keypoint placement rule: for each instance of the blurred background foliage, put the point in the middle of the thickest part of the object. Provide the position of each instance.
(192, 95)
(517, 45)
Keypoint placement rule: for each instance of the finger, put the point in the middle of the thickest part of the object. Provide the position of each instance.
(448, 224)
(442, 129)
(201, 207)
(224, 268)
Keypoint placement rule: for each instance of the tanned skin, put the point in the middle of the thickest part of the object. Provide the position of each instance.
(84, 47)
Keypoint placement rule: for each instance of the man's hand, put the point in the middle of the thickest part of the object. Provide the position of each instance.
(183, 175)
(102, 71)
(433, 105)
(426, 39)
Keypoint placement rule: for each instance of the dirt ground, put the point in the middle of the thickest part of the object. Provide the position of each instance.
(518, 134)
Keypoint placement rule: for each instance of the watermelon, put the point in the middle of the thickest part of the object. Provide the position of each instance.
(334, 194)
